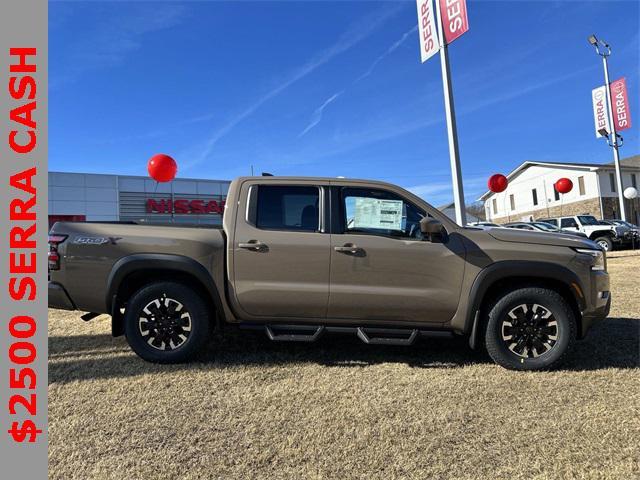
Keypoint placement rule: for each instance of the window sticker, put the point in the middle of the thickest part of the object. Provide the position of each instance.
(377, 213)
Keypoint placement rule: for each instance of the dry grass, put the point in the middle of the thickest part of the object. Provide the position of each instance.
(341, 409)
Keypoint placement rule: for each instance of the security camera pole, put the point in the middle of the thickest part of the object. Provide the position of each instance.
(604, 50)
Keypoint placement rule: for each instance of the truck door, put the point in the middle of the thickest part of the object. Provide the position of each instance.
(382, 269)
(281, 253)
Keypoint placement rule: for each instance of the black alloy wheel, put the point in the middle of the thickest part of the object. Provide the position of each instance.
(165, 323)
(530, 330)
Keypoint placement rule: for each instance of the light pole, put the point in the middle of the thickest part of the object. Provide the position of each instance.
(604, 50)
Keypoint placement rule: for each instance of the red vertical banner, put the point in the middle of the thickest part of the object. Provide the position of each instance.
(620, 104)
(454, 18)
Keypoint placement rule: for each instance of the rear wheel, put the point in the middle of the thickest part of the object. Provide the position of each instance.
(605, 243)
(166, 322)
(530, 328)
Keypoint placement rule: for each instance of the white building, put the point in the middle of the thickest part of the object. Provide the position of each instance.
(97, 197)
(531, 193)
(450, 211)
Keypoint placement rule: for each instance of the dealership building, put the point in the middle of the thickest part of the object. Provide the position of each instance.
(531, 195)
(97, 197)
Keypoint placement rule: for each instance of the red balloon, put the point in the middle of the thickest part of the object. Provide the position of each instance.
(564, 185)
(162, 168)
(497, 183)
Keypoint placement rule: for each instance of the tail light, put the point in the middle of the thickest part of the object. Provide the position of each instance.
(53, 255)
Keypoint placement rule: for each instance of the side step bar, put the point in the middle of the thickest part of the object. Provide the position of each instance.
(368, 335)
(314, 334)
(362, 335)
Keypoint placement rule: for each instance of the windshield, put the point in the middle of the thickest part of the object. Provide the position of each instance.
(546, 226)
(588, 220)
(625, 224)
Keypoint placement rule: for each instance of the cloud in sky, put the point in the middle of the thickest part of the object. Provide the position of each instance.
(354, 35)
(109, 41)
(317, 114)
(397, 44)
(316, 117)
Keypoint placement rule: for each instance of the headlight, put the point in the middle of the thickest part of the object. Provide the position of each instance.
(597, 258)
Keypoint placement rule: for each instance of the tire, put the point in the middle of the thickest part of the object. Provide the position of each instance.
(536, 338)
(605, 243)
(167, 322)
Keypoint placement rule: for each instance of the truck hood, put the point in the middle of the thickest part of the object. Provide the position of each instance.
(542, 238)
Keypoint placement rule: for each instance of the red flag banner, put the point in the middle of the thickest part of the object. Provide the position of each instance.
(454, 18)
(620, 104)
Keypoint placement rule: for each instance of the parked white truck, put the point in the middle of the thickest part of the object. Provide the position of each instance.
(607, 236)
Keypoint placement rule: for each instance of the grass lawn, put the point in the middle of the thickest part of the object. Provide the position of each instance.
(341, 409)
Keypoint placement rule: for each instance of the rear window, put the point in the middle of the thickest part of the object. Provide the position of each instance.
(288, 208)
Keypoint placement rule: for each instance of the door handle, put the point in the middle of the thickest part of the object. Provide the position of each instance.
(254, 245)
(349, 249)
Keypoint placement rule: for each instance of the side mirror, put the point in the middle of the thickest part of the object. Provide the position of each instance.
(430, 228)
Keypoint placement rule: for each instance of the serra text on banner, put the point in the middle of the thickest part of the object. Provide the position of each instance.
(429, 44)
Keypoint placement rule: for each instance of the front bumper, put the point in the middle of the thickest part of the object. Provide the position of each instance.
(59, 298)
(599, 302)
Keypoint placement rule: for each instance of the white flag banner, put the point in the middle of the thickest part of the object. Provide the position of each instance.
(429, 44)
(600, 114)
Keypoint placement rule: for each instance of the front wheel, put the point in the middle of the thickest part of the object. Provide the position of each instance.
(605, 243)
(166, 322)
(530, 328)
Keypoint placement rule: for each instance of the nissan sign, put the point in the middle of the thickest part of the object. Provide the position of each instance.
(185, 206)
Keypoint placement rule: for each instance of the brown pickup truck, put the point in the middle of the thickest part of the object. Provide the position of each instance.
(303, 257)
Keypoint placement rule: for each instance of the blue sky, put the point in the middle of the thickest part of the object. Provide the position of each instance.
(330, 88)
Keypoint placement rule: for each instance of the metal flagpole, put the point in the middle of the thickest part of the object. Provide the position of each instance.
(454, 155)
(614, 139)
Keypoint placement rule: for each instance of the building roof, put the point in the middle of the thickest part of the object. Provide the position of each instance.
(625, 162)
(629, 162)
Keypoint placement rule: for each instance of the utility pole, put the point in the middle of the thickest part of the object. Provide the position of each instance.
(613, 136)
(452, 131)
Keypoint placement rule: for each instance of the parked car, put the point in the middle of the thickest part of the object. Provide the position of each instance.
(484, 224)
(542, 227)
(607, 236)
(298, 258)
(630, 233)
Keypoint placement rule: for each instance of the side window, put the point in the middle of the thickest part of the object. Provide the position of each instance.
(378, 212)
(281, 207)
(568, 223)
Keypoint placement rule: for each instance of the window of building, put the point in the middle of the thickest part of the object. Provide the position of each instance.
(495, 206)
(512, 201)
(556, 193)
(612, 182)
(634, 182)
(288, 208)
(581, 185)
(534, 193)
